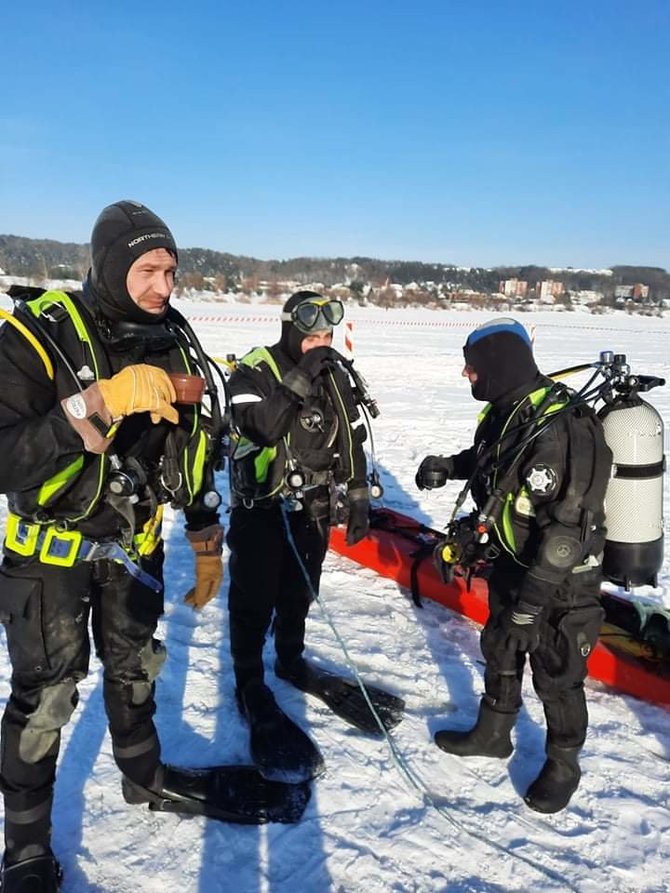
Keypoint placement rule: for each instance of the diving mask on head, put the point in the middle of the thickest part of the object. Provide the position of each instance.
(315, 315)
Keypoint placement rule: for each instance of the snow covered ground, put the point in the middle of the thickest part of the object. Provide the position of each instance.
(367, 829)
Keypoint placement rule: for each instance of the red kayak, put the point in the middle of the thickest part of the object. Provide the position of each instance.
(401, 548)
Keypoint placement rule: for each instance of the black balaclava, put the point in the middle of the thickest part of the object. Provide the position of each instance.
(291, 336)
(123, 232)
(501, 354)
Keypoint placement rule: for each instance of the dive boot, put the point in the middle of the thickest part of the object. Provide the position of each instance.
(174, 784)
(136, 794)
(490, 737)
(41, 874)
(557, 782)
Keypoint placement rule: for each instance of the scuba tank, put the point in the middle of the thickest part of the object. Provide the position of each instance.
(634, 498)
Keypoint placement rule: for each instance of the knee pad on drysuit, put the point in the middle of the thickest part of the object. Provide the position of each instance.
(152, 657)
(41, 732)
(127, 694)
(130, 710)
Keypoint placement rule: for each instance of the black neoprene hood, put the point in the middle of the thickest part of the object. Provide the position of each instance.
(123, 232)
(291, 336)
(501, 354)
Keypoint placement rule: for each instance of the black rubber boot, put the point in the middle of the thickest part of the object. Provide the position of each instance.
(256, 703)
(295, 672)
(41, 874)
(136, 794)
(557, 782)
(490, 737)
(169, 783)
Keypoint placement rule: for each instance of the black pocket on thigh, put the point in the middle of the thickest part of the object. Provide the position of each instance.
(21, 614)
(141, 603)
(576, 635)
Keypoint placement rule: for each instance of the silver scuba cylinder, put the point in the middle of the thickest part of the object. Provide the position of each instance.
(634, 498)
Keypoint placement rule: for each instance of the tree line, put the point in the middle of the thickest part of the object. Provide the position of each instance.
(220, 271)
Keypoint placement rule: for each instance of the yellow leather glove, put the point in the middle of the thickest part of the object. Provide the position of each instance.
(208, 578)
(207, 545)
(140, 388)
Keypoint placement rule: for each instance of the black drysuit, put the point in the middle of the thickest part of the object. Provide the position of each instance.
(323, 437)
(550, 538)
(46, 608)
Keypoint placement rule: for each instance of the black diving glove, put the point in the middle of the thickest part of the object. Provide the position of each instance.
(434, 471)
(318, 360)
(358, 523)
(312, 364)
(520, 625)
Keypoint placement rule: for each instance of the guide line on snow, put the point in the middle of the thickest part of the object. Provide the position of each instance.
(399, 762)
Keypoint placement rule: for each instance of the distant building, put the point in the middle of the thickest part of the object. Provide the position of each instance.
(637, 292)
(513, 288)
(549, 289)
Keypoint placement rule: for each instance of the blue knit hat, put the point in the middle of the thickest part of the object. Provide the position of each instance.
(500, 324)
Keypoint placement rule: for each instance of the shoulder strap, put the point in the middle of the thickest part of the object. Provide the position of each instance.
(547, 403)
(55, 307)
(32, 340)
(262, 355)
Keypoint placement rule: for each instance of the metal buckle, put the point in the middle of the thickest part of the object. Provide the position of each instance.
(93, 551)
(587, 564)
(113, 551)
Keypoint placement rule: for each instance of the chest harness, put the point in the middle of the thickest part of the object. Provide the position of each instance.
(50, 532)
(277, 473)
(467, 543)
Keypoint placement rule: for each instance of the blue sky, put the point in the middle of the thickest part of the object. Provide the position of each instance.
(455, 131)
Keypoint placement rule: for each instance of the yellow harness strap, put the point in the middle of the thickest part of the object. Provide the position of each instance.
(28, 335)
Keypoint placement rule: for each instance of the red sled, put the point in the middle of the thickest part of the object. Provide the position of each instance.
(400, 548)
